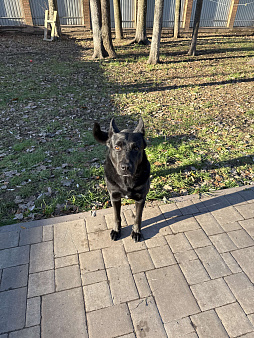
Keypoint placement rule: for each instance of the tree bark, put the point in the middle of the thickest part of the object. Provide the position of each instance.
(192, 50)
(53, 7)
(106, 28)
(118, 20)
(177, 18)
(140, 36)
(157, 27)
(99, 50)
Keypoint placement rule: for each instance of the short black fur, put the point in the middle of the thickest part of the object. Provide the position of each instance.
(127, 171)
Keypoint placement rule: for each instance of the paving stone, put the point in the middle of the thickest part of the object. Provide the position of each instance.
(248, 335)
(212, 262)
(142, 285)
(241, 238)
(231, 226)
(211, 294)
(179, 328)
(91, 261)
(162, 256)
(140, 261)
(146, 319)
(189, 255)
(251, 318)
(93, 277)
(184, 223)
(151, 215)
(41, 283)
(227, 215)
(245, 258)
(99, 240)
(235, 198)
(247, 194)
(13, 309)
(122, 285)
(61, 262)
(197, 238)
(216, 203)
(172, 294)
(209, 224)
(129, 217)
(223, 243)
(70, 238)
(246, 210)
(41, 257)
(115, 256)
(194, 271)
(33, 311)
(67, 277)
(130, 245)
(110, 221)
(31, 332)
(48, 233)
(14, 277)
(208, 325)
(94, 224)
(30, 236)
(157, 240)
(63, 315)
(113, 321)
(170, 210)
(97, 296)
(187, 207)
(231, 262)
(234, 320)
(9, 239)
(178, 242)
(243, 290)
(248, 225)
(14, 256)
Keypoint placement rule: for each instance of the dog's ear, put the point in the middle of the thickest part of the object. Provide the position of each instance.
(140, 127)
(113, 128)
(99, 135)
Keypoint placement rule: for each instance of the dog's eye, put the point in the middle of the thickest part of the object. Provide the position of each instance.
(117, 148)
(136, 148)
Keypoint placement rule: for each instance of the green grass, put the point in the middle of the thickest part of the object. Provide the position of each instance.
(197, 112)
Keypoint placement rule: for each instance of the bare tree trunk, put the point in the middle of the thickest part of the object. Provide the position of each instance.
(140, 36)
(53, 7)
(157, 26)
(118, 20)
(192, 50)
(177, 18)
(106, 28)
(99, 50)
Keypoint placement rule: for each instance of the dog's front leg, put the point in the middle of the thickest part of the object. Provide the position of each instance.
(116, 231)
(136, 230)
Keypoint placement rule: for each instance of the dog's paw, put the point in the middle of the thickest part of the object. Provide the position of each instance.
(136, 236)
(115, 235)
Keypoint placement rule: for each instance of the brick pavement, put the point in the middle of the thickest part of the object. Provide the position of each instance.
(191, 276)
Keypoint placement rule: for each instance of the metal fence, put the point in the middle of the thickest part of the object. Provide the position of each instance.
(245, 14)
(10, 13)
(214, 12)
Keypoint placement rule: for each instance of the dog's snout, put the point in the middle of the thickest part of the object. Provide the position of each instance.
(125, 167)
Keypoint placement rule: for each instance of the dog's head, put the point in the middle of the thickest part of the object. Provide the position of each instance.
(126, 147)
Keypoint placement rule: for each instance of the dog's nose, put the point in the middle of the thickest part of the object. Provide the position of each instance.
(125, 167)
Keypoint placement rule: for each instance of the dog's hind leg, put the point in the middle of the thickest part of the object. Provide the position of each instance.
(136, 229)
(116, 231)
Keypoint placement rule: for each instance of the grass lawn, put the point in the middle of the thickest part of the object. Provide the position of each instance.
(198, 113)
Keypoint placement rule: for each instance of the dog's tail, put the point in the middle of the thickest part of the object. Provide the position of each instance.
(99, 135)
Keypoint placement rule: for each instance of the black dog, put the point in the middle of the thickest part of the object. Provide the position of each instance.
(127, 171)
